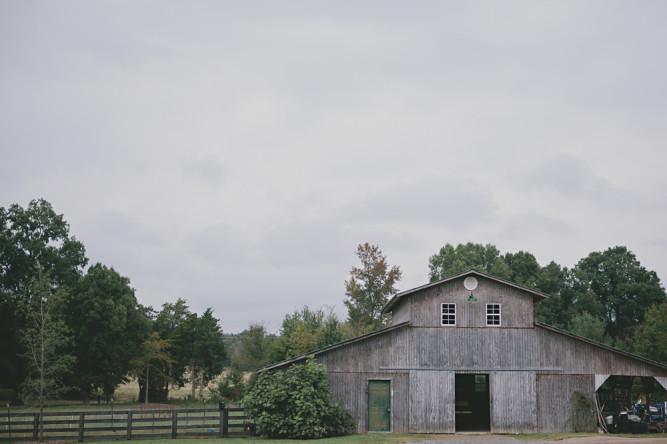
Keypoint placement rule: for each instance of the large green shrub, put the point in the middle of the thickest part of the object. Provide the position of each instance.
(296, 403)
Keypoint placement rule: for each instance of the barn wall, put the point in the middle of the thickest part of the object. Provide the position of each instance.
(516, 305)
(350, 390)
(556, 399)
(400, 312)
(432, 402)
(578, 357)
(533, 374)
(513, 402)
(387, 350)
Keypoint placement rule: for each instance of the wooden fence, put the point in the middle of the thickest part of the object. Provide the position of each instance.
(126, 424)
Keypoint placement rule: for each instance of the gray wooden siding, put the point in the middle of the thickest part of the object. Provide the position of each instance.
(423, 309)
(401, 312)
(351, 391)
(556, 399)
(431, 397)
(513, 402)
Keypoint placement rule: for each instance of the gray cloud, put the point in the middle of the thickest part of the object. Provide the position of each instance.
(234, 154)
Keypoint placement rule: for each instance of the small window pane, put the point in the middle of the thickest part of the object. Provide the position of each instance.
(481, 385)
(448, 314)
(492, 314)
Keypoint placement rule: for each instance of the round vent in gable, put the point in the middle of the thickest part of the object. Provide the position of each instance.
(470, 283)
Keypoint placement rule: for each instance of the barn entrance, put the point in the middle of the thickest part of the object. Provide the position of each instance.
(472, 402)
(379, 406)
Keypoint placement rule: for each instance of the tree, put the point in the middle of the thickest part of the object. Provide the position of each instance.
(306, 330)
(253, 348)
(202, 340)
(553, 310)
(31, 239)
(109, 327)
(368, 289)
(588, 326)
(231, 387)
(168, 324)
(155, 353)
(523, 269)
(45, 337)
(296, 404)
(451, 261)
(568, 297)
(649, 339)
(622, 287)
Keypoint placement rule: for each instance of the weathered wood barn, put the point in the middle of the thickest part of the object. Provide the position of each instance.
(464, 353)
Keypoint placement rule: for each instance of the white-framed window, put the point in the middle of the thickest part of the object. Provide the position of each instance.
(448, 314)
(493, 314)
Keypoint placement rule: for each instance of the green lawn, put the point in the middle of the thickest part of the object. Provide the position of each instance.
(390, 438)
(354, 439)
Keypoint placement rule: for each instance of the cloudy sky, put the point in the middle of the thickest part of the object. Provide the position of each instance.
(235, 153)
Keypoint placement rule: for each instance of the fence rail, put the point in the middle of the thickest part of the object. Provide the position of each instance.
(126, 424)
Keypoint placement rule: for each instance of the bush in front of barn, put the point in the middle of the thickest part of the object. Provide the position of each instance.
(297, 404)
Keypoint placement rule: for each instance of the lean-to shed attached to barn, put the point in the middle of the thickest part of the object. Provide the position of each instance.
(464, 353)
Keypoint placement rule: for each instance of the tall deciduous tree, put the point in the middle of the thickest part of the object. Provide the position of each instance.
(622, 287)
(109, 328)
(589, 326)
(45, 337)
(31, 239)
(306, 330)
(252, 349)
(450, 261)
(154, 357)
(369, 288)
(649, 339)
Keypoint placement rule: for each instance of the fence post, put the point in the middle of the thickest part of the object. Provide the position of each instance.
(9, 424)
(81, 424)
(224, 422)
(129, 425)
(35, 427)
(174, 424)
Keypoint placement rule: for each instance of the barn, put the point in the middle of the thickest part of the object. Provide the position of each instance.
(464, 353)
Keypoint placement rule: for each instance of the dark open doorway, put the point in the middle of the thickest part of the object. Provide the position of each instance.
(472, 402)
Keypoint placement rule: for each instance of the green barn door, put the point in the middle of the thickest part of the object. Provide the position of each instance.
(379, 406)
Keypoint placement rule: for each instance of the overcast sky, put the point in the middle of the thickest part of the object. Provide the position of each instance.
(235, 153)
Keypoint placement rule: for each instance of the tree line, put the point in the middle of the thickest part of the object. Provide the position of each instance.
(608, 297)
(68, 330)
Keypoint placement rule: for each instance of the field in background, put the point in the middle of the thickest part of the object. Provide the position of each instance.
(126, 396)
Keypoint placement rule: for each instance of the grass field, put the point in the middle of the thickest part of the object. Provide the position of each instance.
(126, 396)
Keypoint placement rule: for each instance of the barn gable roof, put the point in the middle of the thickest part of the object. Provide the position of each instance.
(333, 347)
(537, 296)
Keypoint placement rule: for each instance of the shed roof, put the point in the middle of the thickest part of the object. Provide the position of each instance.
(598, 344)
(334, 346)
(537, 295)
